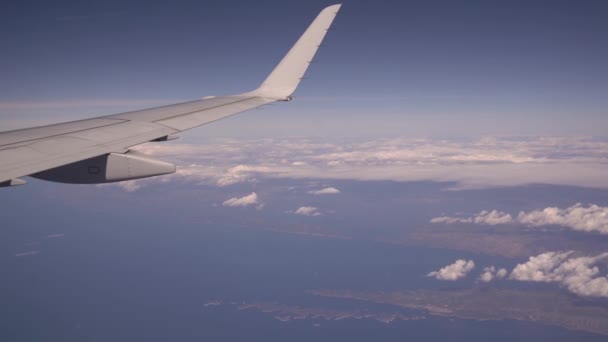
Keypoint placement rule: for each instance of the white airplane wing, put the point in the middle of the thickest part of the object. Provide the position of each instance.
(97, 150)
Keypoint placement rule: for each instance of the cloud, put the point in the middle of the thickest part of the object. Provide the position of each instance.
(491, 273)
(577, 217)
(487, 162)
(539, 267)
(487, 275)
(501, 273)
(307, 211)
(130, 186)
(459, 269)
(245, 201)
(493, 217)
(240, 174)
(577, 274)
(325, 191)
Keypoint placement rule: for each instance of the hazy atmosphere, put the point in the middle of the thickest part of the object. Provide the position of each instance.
(421, 68)
(440, 173)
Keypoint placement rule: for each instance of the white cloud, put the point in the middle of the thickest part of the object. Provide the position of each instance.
(578, 274)
(538, 268)
(325, 191)
(240, 174)
(491, 273)
(487, 275)
(307, 211)
(501, 273)
(487, 162)
(577, 217)
(130, 186)
(459, 269)
(245, 201)
(451, 219)
(492, 218)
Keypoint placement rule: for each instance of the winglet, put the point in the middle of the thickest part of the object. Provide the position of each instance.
(286, 76)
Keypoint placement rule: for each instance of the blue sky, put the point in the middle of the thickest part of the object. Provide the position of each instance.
(415, 68)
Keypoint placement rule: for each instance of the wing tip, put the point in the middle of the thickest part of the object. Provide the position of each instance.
(335, 7)
(284, 79)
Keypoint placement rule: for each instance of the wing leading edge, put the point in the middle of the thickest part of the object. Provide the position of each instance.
(42, 151)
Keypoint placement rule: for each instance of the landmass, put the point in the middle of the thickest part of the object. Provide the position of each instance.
(259, 223)
(509, 241)
(286, 313)
(545, 307)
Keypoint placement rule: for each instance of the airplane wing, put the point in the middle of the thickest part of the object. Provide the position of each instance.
(97, 150)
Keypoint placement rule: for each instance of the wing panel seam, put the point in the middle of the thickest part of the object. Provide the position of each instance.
(205, 109)
(121, 121)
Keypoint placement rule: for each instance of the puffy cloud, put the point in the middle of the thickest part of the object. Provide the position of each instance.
(459, 269)
(491, 273)
(493, 217)
(245, 201)
(501, 273)
(577, 217)
(538, 268)
(578, 274)
(240, 174)
(307, 211)
(325, 191)
(487, 275)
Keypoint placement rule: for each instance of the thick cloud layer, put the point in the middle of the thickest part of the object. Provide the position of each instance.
(481, 163)
(459, 269)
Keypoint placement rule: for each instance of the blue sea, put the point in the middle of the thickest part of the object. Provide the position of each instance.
(112, 279)
(100, 264)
